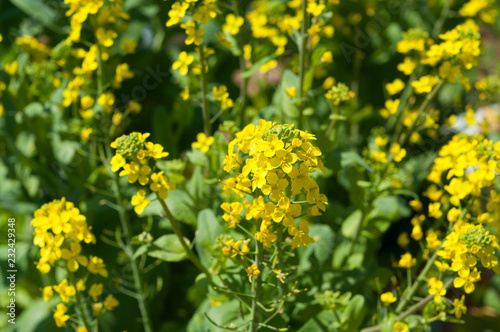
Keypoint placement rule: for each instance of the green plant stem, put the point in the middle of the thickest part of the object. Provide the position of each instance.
(80, 307)
(175, 226)
(422, 276)
(423, 108)
(127, 230)
(408, 312)
(204, 101)
(302, 59)
(257, 288)
(244, 80)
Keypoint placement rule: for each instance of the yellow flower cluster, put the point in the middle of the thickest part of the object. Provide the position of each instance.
(465, 168)
(273, 163)
(59, 231)
(485, 10)
(138, 160)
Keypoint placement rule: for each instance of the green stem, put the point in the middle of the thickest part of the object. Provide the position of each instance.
(175, 226)
(302, 59)
(423, 108)
(408, 312)
(127, 230)
(243, 88)
(257, 288)
(80, 307)
(204, 104)
(422, 276)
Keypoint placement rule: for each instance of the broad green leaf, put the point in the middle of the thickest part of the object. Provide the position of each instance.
(351, 223)
(322, 322)
(353, 315)
(171, 248)
(179, 203)
(209, 228)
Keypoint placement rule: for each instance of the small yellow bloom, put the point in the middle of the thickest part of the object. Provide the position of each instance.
(185, 93)
(110, 302)
(85, 134)
(10, 68)
(268, 65)
(291, 92)
(95, 290)
(400, 327)
(406, 261)
(107, 100)
(140, 201)
(203, 142)
(129, 46)
(387, 298)
(233, 24)
(183, 62)
(395, 87)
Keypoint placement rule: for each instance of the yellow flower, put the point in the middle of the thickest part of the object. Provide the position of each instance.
(140, 201)
(105, 37)
(107, 100)
(97, 266)
(47, 293)
(183, 62)
(436, 288)
(252, 271)
(435, 210)
(407, 66)
(177, 13)
(400, 327)
(395, 87)
(327, 57)
(387, 298)
(398, 153)
(314, 8)
(10, 68)
(406, 261)
(122, 73)
(425, 84)
(291, 92)
(203, 142)
(268, 65)
(86, 102)
(185, 93)
(128, 46)
(134, 107)
(85, 134)
(2, 110)
(110, 302)
(65, 290)
(194, 34)
(161, 185)
(95, 290)
(60, 315)
(460, 308)
(97, 308)
(221, 38)
(233, 24)
(117, 162)
(117, 118)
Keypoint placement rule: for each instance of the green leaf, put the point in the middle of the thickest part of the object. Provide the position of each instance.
(323, 247)
(344, 159)
(179, 203)
(209, 228)
(353, 315)
(40, 12)
(168, 248)
(322, 322)
(351, 223)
